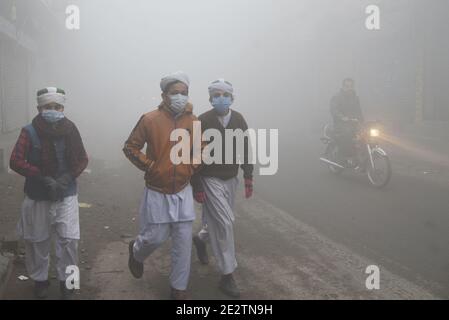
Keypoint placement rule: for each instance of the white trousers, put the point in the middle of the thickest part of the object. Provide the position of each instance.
(218, 221)
(39, 222)
(152, 236)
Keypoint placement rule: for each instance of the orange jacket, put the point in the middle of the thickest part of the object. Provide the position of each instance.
(154, 129)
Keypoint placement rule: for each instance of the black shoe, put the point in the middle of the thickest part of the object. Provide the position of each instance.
(135, 266)
(41, 289)
(228, 286)
(66, 294)
(201, 251)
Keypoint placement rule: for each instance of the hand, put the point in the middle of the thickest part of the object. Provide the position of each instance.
(64, 181)
(54, 188)
(49, 182)
(200, 196)
(248, 188)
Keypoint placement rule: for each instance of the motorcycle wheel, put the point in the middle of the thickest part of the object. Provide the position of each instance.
(381, 174)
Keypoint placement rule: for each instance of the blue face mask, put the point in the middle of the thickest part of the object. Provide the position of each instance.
(221, 104)
(52, 116)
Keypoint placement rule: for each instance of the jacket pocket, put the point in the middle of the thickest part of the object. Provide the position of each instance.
(160, 175)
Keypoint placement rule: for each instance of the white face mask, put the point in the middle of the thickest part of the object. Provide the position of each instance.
(178, 102)
(52, 116)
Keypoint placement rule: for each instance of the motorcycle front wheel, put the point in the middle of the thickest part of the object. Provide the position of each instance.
(380, 175)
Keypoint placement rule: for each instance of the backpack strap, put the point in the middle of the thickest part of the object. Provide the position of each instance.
(35, 143)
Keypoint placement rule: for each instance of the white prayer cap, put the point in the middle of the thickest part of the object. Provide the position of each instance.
(221, 84)
(49, 95)
(174, 77)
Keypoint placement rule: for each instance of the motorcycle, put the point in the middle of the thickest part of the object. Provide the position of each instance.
(368, 158)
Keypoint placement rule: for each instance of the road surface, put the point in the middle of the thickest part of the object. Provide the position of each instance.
(404, 226)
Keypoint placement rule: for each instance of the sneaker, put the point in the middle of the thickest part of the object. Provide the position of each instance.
(41, 289)
(135, 266)
(201, 251)
(178, 294)
(228, 286)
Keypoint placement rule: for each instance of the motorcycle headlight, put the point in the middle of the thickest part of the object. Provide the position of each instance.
(374, 133)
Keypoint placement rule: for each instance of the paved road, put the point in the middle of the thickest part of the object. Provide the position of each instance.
(405, 226)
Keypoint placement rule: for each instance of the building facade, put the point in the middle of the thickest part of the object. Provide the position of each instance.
(24, 54)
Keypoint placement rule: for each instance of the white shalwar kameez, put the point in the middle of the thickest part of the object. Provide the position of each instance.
(38, 222)
(162, 216)
(218, 221)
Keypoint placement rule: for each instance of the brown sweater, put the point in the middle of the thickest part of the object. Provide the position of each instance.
(209, 120)
(153, 130)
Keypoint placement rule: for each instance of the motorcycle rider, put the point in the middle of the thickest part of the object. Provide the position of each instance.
(346, 114)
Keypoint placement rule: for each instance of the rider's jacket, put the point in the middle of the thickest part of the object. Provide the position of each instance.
(345, 104)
